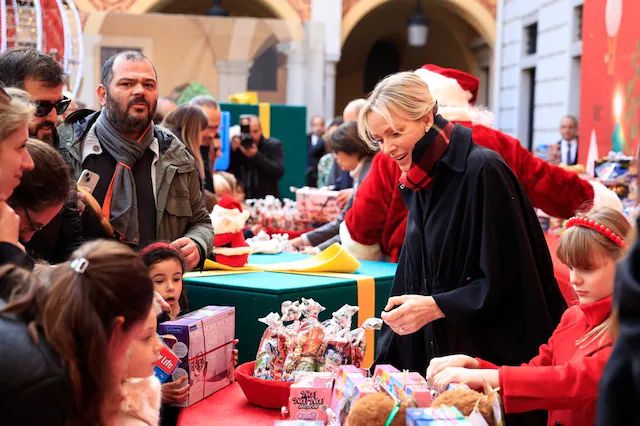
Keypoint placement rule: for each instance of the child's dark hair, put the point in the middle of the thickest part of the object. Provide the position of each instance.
(159, 252)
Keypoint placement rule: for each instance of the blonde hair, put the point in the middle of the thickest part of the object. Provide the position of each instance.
(402, 94)
(582, 247)
(14, 112)
(224, 183)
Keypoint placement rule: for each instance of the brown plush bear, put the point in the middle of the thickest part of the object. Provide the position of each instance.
(465, 400)
(374, 409)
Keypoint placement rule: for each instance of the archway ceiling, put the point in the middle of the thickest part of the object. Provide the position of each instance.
(389, 22)
(236, 8)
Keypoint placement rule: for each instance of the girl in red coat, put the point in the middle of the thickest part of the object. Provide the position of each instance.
(563, 378)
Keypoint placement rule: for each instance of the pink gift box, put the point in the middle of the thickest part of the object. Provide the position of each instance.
(310, 396)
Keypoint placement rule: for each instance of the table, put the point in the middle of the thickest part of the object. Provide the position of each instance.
(227, 406)
(255, 294)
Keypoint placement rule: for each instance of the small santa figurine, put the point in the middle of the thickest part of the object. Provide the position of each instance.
(228, 219)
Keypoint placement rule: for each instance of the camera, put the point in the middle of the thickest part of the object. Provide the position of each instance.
(245, 132)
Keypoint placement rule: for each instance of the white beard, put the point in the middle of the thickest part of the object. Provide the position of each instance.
(229, 224)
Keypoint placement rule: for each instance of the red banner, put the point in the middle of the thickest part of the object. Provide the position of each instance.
(610, 103)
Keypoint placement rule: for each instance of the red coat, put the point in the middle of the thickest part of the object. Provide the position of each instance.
(378, 214)
(564, 377)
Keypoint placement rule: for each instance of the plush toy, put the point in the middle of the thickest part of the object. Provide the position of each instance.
(465, 400)
(228, 219)
(375, 409)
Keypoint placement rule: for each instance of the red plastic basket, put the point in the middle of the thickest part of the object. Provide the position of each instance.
(264, 393)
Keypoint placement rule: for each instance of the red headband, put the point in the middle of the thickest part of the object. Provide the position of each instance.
(592, 224)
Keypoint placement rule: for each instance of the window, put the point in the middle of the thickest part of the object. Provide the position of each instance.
(531, 39)
(263, 75)
(577, 23)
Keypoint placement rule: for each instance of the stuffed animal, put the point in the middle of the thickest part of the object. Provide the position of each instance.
(374, 409)
(465, 400)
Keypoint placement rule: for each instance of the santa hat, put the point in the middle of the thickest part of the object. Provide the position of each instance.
(226, 206)
(450, 86)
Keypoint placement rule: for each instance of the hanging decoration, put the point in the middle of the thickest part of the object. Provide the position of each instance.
(51, 26)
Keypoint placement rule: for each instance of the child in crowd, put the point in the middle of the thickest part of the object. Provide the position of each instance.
(141, 389)
(563, 378)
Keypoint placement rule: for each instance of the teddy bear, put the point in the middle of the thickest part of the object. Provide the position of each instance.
(465, 400)
(374, 409)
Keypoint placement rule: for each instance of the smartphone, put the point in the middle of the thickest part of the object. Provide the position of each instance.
(88, 180)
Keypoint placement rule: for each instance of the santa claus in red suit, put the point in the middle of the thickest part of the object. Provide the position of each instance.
(228, 219)
(374, 227)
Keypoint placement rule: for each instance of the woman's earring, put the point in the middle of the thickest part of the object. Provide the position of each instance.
(426, 130)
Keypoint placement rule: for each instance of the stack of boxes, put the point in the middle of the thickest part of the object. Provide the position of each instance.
(411, 383)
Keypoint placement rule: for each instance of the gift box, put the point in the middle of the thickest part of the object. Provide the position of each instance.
(351, 384)
(310, 396)
(203, 341)
(297, 423)
(411, 383)
(440, 416)
(317, 205)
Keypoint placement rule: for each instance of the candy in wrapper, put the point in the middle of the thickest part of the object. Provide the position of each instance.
(340, 319)
(271, 351)
(337, 351)
(310, 340)
(358, 339)
(290, 311)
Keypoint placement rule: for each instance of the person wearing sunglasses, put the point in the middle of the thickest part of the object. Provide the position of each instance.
(42, 77)
(42, 191)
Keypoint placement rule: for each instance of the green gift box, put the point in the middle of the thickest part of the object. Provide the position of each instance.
(255, 294)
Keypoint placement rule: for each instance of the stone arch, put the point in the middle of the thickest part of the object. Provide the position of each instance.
(471, 11)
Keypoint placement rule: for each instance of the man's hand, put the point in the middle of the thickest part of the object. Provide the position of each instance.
(235, 143)
(343, 197)
(189, 251)
(249, 152)
(9, 224)
(413, 313)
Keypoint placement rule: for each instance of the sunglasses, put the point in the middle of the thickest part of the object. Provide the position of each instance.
(43, 108)
(35, 227)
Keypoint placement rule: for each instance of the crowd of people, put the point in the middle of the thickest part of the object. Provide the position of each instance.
(88, 269)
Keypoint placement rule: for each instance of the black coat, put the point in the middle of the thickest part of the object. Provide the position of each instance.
(260, 174)
(620, 384)
(11, 254)
(34, 387)
(314, 154)
(474, 242)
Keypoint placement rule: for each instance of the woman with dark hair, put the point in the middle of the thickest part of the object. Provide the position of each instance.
(353, 156)
(42, 191)
(65, 335)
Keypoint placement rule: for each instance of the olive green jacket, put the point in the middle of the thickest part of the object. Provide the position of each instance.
(180, 208)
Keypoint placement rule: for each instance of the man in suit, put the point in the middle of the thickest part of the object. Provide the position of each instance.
(569, 142)
(315, 149)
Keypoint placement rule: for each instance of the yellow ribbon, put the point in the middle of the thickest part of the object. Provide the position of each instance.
(264, 114)
(335, 262)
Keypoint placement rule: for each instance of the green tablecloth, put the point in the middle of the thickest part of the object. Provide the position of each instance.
(255, 294)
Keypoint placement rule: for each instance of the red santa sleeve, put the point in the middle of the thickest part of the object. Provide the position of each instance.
(364, 223)
(551, 188)
(555, 387)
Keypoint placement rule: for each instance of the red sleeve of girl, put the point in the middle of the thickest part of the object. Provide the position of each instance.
(558, 387)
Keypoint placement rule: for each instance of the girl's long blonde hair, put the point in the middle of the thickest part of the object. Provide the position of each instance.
(188, 122)
(584, 248)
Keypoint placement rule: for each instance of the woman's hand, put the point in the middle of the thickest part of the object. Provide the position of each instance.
(343, 197)
(299, 242)
(438, 364)
(413, 313)
(475, 379)
(235, 353)
(9, 224)
(175, 392)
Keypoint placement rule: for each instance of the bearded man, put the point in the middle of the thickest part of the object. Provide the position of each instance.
(149, 188)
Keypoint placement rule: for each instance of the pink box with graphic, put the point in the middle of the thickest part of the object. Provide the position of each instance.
(203, 340)
(351, 384)
(310, 396)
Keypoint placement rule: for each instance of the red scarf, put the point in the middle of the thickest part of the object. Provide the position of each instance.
(427, 152)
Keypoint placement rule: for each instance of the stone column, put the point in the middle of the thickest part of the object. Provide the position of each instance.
(233, 76)
(295, 71)
(329, 89)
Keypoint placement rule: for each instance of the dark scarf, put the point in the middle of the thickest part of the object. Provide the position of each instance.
(121, 204)
(426, 153)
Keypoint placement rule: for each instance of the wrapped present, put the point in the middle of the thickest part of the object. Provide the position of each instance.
(351, 383)
(403, 384)
(436, 417)
(310, 396)
(203, 341)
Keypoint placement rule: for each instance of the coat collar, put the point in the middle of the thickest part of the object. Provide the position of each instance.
(596, 312)
(456, 156)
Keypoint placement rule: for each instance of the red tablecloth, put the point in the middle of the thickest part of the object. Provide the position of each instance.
(231, 407)
(227, 406)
